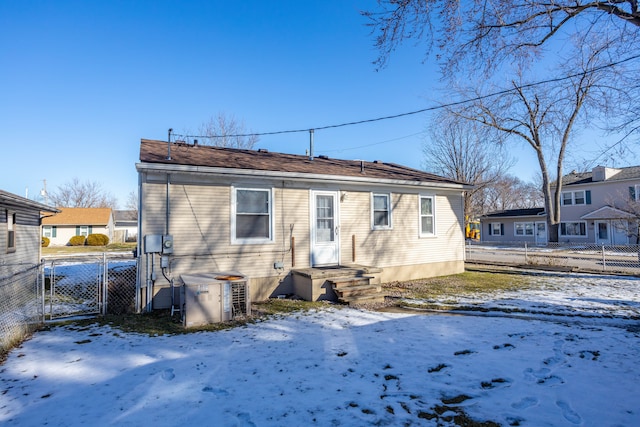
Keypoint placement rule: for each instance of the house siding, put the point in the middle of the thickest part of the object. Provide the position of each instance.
(200, 223)
(603, 193)
(508, 226)
(27, 240)
(401, 245)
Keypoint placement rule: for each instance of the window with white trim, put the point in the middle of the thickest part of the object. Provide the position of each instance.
(496, 229)
(252, 216)
(574, 198)
(381, 211)
(523, 228)
(11, 231)
(83, 230)
(577, 228)
(427, 216)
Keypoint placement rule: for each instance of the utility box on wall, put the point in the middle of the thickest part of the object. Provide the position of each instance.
(152, 243)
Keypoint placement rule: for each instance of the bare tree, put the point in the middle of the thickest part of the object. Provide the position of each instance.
(132, 202)
(629, 203)
(487, 38)
(544, 117)
(510, 192)
(458, 149)
(225, 130)
(484, 34)
(88, 194)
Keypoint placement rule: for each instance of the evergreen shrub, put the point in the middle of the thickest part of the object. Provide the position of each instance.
(77, 241)
(97, 240)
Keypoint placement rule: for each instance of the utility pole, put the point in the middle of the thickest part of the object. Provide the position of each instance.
(43, 192)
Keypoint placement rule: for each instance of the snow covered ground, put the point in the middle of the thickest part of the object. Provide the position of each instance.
(563, 354)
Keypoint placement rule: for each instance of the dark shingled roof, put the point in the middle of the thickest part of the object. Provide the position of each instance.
(10, 199)
(217, 157)
(632, 172)
(515, 213)
(125, 215)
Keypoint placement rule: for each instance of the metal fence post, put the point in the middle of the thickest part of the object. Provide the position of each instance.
(105, 283)
(526, 255)
(604, 260)
(43, 291)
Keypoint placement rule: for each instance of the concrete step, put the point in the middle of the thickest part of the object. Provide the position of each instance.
(348, 291)
(364, 299)
(340, 282)
(357, 290)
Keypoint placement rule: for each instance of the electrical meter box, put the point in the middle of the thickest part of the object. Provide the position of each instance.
(167, 244)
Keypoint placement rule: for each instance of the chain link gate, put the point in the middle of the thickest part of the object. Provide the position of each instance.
(89, 285)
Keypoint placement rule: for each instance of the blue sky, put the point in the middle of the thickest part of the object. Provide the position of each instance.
(83, 81)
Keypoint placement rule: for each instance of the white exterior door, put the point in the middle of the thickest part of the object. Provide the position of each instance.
(541, 232)
(603, 235)
(325, 228)
(620, 234)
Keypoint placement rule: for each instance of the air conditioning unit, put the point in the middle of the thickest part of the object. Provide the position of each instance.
(214, 297)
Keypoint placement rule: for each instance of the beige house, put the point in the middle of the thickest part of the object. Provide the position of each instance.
(287, 221)
(77, 222)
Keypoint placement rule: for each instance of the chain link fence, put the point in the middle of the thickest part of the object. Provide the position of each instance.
(563, 256)
(63, 287)
(90, 284)
(121, 286)
(20, 307)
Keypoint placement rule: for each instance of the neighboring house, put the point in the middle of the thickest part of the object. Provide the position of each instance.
(20, 237)
(77, 222)
(595, 207)
(270, 215)
(126, 226)
(515, 225)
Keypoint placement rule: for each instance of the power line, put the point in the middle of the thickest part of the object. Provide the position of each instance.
(422, 110)
(339, 150)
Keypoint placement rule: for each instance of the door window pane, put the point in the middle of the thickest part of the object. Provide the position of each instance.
(603, 231)
(325, 231)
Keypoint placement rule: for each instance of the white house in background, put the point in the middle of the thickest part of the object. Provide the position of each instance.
(125, 226)
(599, 207)
(77, 222)
(281, 218)
(20, 238)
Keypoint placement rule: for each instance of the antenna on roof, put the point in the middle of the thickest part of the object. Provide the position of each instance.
(169, 145)
(311, 144)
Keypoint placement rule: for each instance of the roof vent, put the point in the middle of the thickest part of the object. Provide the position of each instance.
(323, 157)
(263, 150)
(377, 161)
